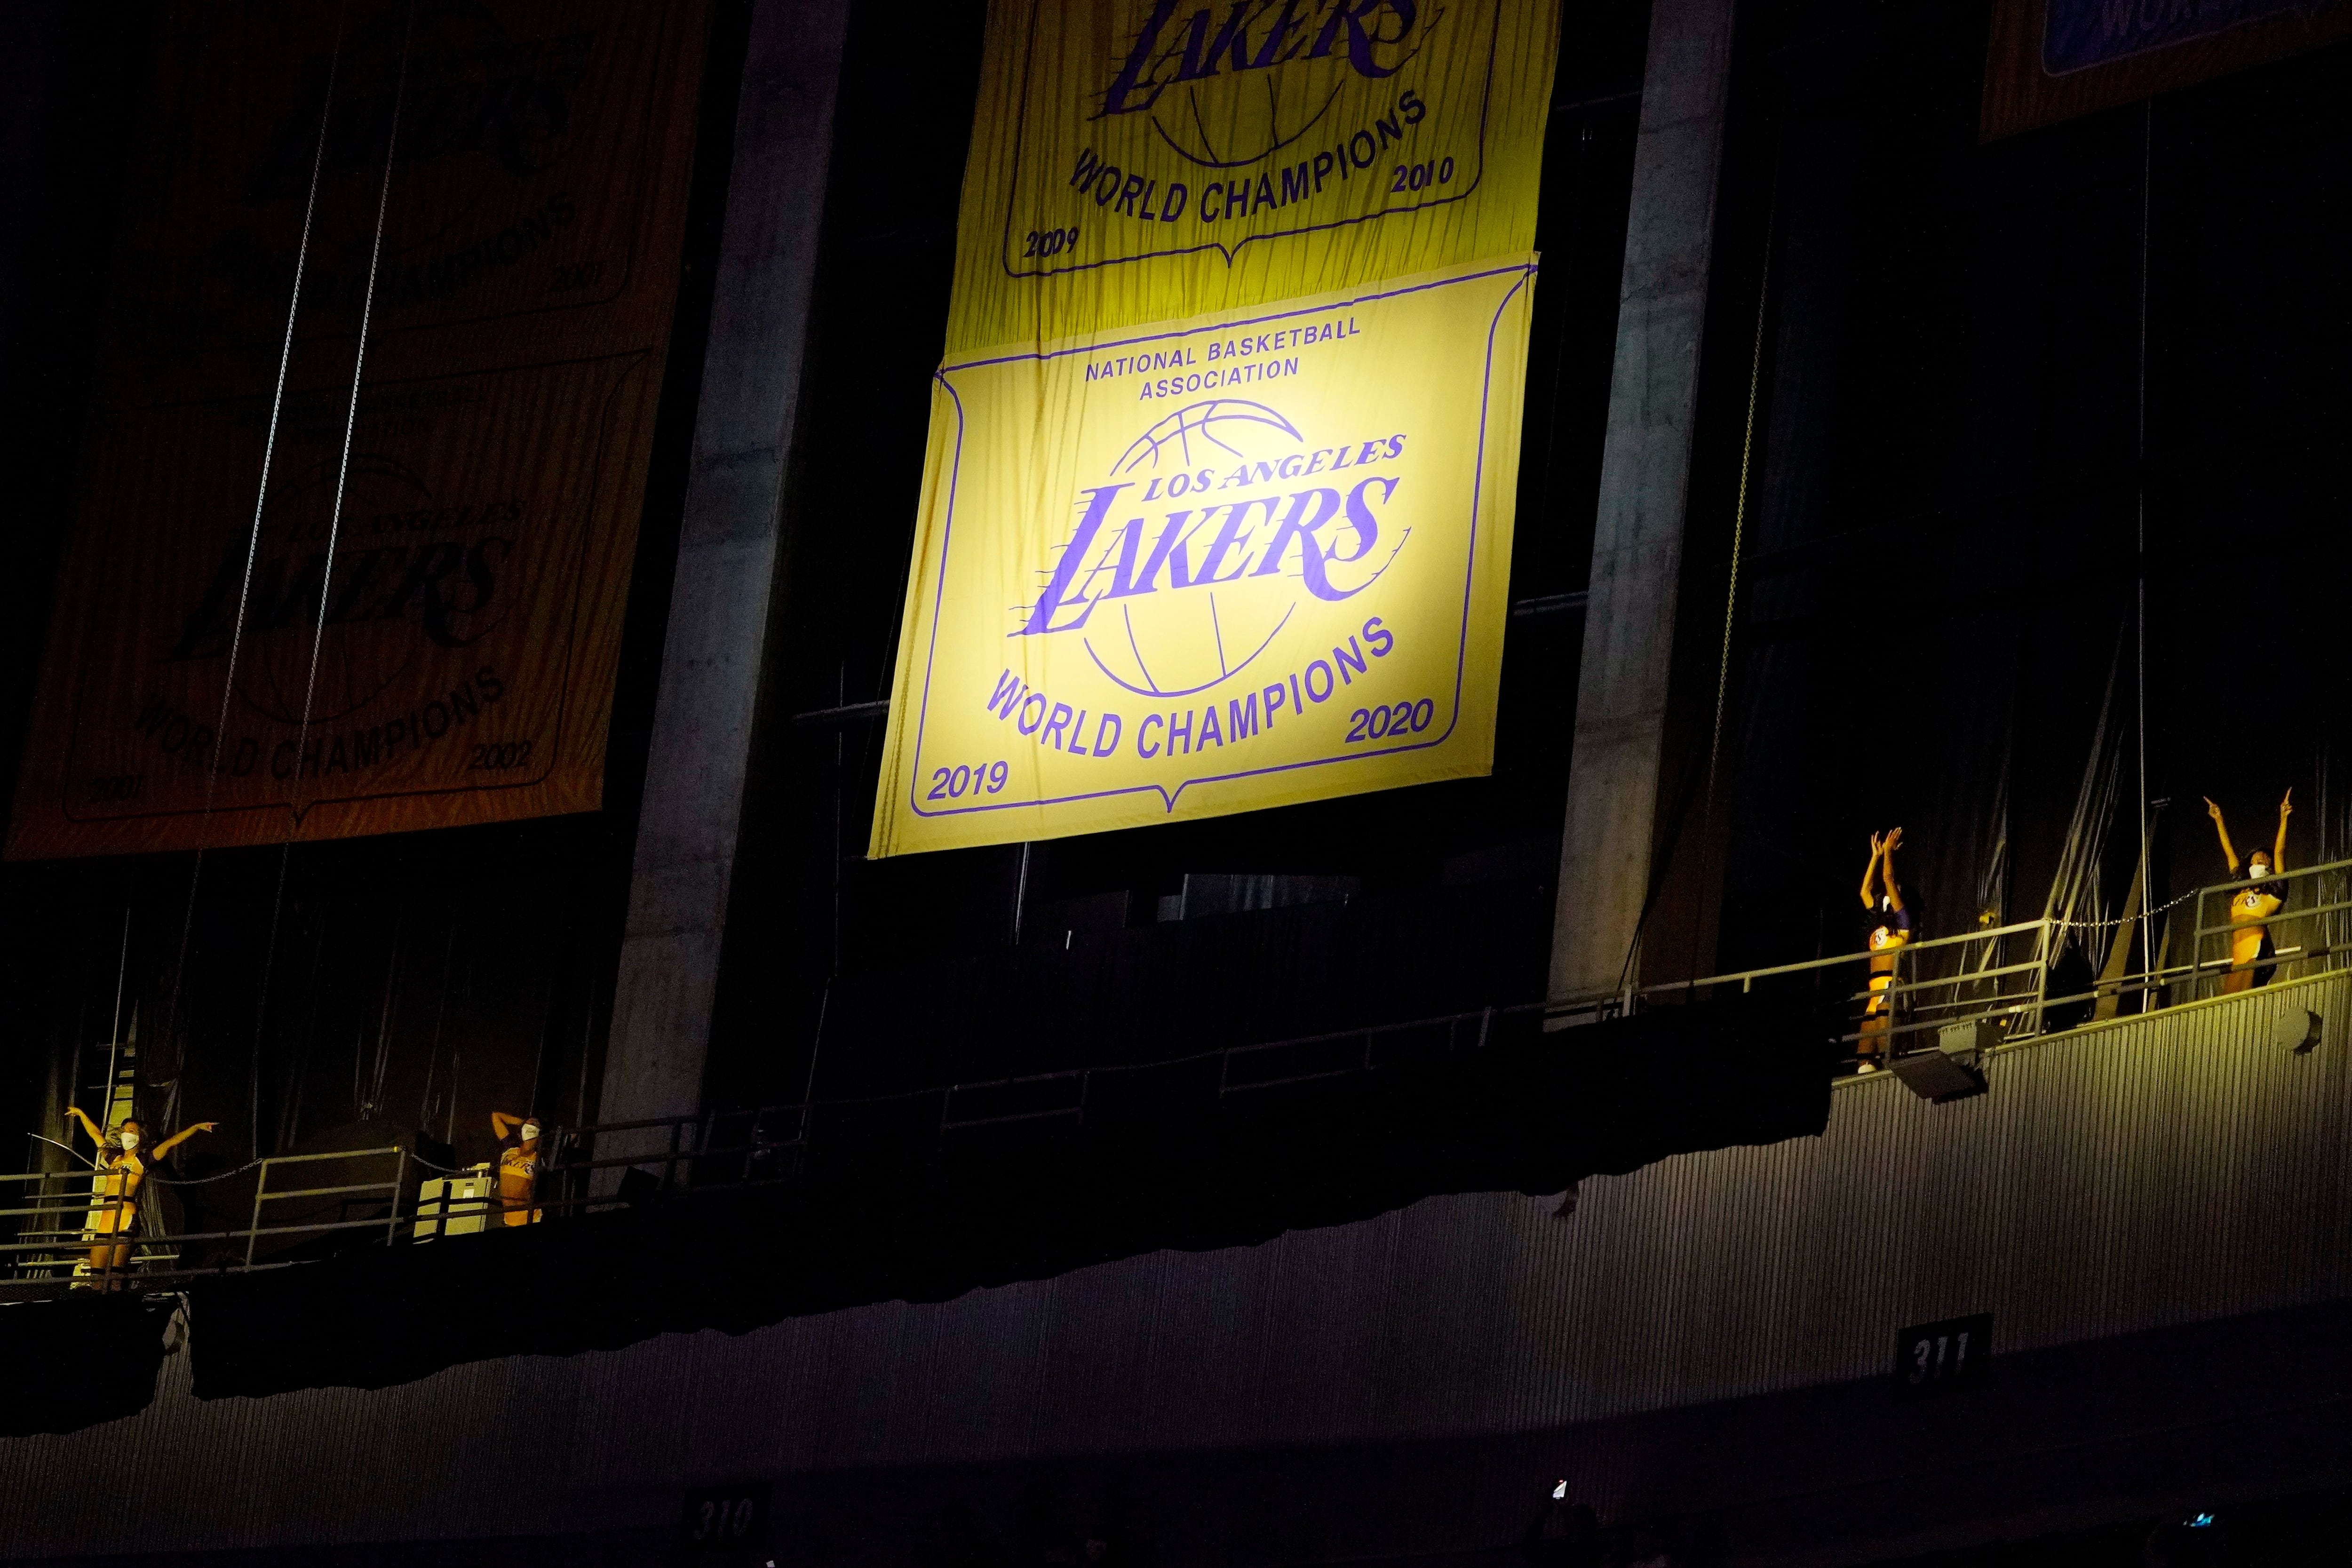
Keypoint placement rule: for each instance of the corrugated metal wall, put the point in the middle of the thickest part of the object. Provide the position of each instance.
(2116, 1179)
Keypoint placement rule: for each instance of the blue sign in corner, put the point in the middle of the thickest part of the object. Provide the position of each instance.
(2077, 35)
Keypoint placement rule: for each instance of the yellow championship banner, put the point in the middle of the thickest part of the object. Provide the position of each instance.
(283, 615)
(1217, 508)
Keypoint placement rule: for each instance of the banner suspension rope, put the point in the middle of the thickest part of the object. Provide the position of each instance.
(326, 586)
(260, 501)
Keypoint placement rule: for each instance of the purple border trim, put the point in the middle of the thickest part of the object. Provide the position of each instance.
(1524, 271)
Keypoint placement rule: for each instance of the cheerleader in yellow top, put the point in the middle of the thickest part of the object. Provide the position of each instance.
(114, 1191)
(2249, 940)
(518, 1166)
(1886, 926)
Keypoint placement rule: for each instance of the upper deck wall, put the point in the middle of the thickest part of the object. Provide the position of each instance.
(2119, 1178)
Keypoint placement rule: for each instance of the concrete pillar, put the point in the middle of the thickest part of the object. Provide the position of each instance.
(1607, 841)
(726, 563)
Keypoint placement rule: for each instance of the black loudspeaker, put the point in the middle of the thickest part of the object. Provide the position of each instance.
(1950, 1071)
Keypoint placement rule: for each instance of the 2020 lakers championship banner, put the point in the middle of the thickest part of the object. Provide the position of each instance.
(285, 612)
(1217, 511)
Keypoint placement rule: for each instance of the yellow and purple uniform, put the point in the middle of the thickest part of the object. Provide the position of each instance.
(1889, 929)
(517, 1179)
(2250, 939)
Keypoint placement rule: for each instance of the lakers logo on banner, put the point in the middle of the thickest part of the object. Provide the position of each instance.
(1230, 528)
(431, 678)
(1319, 119)
(287, 615)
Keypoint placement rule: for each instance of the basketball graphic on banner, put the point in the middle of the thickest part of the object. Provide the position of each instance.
(1180, 643)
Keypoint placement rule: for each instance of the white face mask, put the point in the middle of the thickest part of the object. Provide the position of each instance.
(130, 1141)
(2259, 870)
(529, 1131)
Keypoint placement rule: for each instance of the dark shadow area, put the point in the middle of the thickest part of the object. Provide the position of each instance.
(892, 1205)
(79, 1362)
(2045, 433)
(399, 987)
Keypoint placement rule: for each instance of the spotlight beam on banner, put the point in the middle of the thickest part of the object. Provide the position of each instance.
(260, 503)
(277, 408)
(327, 576)
(359, 366)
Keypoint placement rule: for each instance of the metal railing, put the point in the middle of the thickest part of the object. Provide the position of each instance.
(2320, 927)
(392, 1189)
(70, 1196)
(37, 1252)
(706, 1151)
(2021, 1002)
(1978, 959)
(1998, 977)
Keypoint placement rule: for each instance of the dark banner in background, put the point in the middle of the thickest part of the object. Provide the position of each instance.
(2052, 59)
(441, 648)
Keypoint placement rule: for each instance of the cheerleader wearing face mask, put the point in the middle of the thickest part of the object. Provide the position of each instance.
(124, 1160)
(2251, 907)
(518, 1166)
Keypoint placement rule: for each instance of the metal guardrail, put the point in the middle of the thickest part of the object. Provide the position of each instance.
(1998, 975)
(262, 1195)
(2020, 1001)
(73, 1244)
(2323, 940)
(1906, 990)
(68, 1249)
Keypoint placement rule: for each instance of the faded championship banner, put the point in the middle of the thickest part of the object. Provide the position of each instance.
(2052, 59)
(422, 633)
(1217, 511)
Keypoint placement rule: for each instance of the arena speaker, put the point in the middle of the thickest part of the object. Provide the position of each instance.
(1950, 1070)
(2296, 1030)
